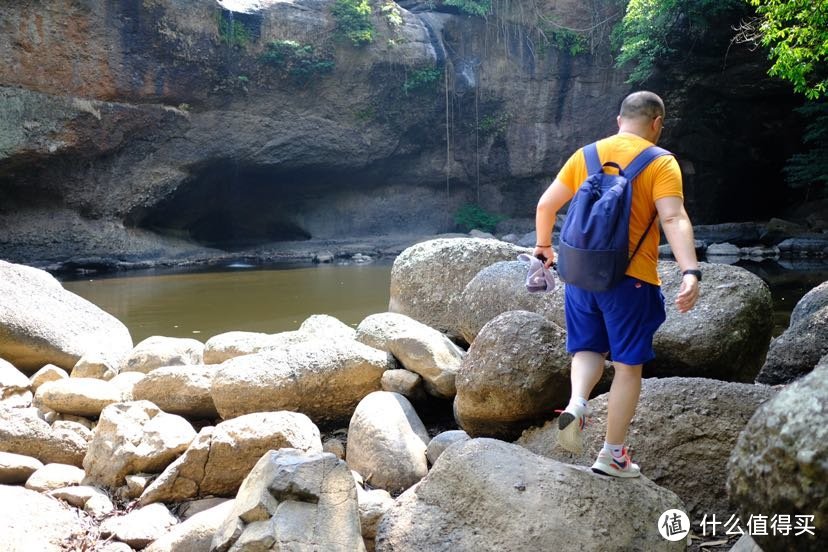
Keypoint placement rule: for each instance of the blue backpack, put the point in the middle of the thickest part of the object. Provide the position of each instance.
(593, 252)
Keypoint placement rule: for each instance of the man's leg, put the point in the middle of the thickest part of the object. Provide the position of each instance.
(587, 367)
(623, 398)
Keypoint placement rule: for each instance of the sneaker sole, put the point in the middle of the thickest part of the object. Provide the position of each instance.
(569, 435)
(619, 474)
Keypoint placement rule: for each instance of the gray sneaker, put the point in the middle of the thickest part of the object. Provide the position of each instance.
(571, 432)
(607, 464)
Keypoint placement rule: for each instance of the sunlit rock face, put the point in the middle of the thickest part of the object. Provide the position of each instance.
(149, 128)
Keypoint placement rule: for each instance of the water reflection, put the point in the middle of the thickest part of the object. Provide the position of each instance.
(203, 304)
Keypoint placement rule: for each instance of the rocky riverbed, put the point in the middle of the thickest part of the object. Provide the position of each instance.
(391, 436)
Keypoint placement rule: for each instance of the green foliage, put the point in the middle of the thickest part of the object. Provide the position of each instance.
(232, 33)
(811, 168)
(473, 7)
(471, 216)
(299, 61)
(796, 31)
(391, 11)
(421, 79)
(652, 30)
(568, 41)
(353, 21)
(493, 124)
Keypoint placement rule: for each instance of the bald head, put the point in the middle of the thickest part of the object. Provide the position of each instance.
(642, 105)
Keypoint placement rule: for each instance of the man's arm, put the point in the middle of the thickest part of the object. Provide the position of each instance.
(679, 232)
(555, 197)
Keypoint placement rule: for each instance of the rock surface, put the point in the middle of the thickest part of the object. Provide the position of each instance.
(780, 462)
(182, 390)
(41, 323)
(427, 279)
(217, 461)
(387, 442)
(516, 372)
(32, 521)
(323, 379)
(681, 435)
(26, 434)
(799, 348)
(461, 505)
(724, 337)
(294, 499)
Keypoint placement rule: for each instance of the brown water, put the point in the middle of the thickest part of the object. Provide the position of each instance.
(204, 304)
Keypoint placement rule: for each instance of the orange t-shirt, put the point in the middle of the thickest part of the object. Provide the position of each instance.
(661, 178)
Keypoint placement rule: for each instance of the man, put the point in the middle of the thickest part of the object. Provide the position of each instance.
(621, 322)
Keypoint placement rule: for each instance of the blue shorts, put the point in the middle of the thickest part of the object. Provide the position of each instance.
(621, 321)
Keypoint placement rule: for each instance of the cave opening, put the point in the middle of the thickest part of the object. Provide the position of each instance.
(233, 206)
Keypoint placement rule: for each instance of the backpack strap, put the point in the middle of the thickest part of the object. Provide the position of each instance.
(593, 162)
(633, 169)
(642, 160)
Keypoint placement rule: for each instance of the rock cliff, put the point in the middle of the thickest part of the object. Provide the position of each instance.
(149, 129)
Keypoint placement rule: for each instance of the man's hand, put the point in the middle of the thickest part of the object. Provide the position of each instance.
(688, 293)
(547, 253)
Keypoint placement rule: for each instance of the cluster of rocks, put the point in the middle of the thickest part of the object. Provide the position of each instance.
(174, 444)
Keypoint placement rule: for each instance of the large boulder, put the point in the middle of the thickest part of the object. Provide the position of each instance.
(725, 336)
(779, 465)
(500, 288)
(24, 433)
(682, 434)
(799, 348)
(134, 437)
(42, 323)
(218, 460)
(419, 348)
(157, 351)
(428, 278)
(515, 373)
(182, 390)
(294, 500)
(387, 442)
(490, 495)
(85, 397)
(323, 379)
(32, 521)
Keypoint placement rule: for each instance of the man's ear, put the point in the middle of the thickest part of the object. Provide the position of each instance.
(618, 120)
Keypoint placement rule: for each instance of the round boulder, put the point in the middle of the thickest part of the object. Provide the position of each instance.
(42, 323)
(725, 336)
(799, 348)
(499, 288)
(516, 372)
(387, 442)
(157, 351)
(182, 390)
(779, 465)
(428, 278)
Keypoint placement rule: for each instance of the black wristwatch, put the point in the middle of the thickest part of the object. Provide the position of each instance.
(696, 273)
